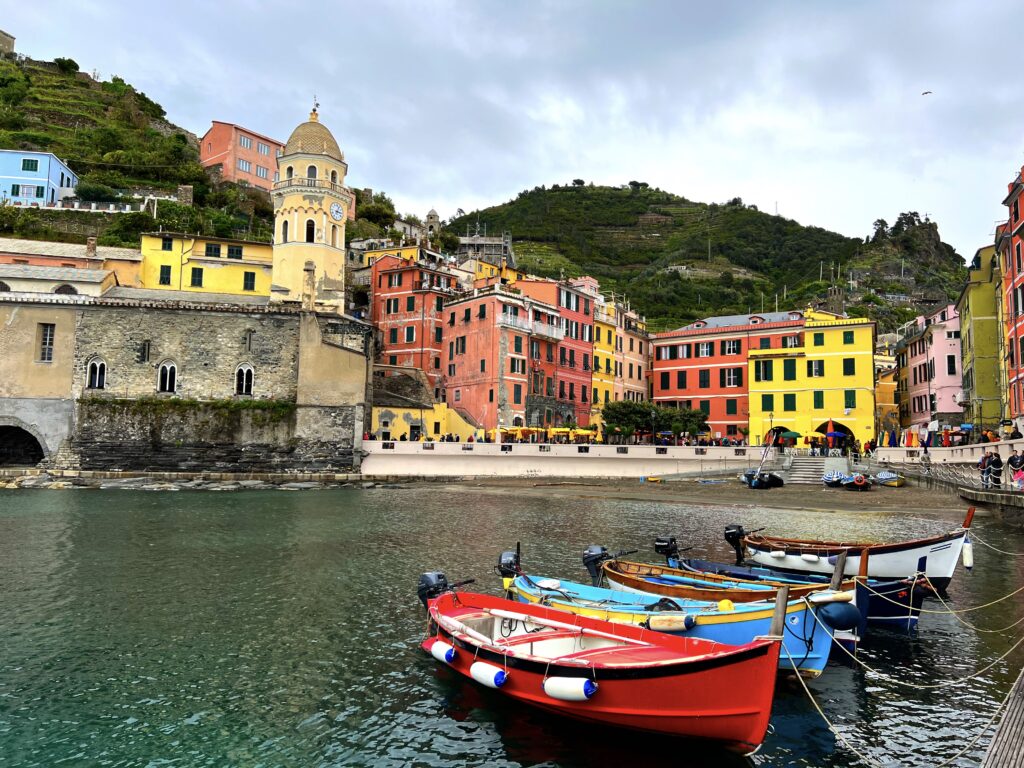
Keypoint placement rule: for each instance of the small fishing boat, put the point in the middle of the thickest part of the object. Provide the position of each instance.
(895, 560)
(894, 604)
(608, 674)
(761, 480)
(808, 637)
(627, 576)
(890, 479)
(857, 482)
(833, 478)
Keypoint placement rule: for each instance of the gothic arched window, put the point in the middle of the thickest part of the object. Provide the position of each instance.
(167, 380)
(311, 172)
(97, 377)
(243, 379)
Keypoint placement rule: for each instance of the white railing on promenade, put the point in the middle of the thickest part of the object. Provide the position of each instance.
(961, 454)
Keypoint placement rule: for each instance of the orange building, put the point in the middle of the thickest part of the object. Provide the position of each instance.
(244, 156)
(576, 349)
(407, 310)
(499, 364)
(1009, 244)
(703, 365)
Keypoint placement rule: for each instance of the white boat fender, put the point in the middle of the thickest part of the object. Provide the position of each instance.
(570, 688)
(665, 623)
(828, 596)
(443, 651)
(488, 674)
(967, 553)
(778, 553)
(810, 558)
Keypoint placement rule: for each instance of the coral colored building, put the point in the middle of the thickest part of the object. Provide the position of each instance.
(500, 353)
(930, 378)
(407, 309)
(576, 350)
(703, 365)
(1010, 242)
(243, 155)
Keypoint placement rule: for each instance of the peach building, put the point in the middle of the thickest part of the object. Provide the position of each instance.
(244, 156)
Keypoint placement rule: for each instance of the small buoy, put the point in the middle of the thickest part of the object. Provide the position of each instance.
(967, 554)
(442, 651)
(672, 623)
(570, 688)
(778, 553)
(726, 605)
(488, 674)
(810, 558)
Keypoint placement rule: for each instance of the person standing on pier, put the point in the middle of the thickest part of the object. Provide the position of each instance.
(983, 468)
(995, 470)
(1016, 465)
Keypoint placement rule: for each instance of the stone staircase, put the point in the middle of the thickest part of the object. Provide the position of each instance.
(807, 470)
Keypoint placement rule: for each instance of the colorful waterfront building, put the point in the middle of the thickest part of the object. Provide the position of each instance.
(182, 262)
(822, 378)
(1009, 243)
(241, 156)
(930, 384)
(407, 308)
(603, 379)
(981, 335)
(703, 365)
(500, 358)
(632, 354)
(576, 348)
(887, 412)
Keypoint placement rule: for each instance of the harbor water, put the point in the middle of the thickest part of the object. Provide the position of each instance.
(274, 628)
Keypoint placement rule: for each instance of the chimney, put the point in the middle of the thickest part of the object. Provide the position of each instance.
(90, 248)
(309, 286)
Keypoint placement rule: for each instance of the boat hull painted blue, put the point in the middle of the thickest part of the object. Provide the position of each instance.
(807, 641)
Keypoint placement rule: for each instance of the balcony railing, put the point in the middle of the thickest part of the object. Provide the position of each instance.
(532, 327)
(302, 181)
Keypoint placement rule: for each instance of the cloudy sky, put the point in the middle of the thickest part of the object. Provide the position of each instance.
(813, 107)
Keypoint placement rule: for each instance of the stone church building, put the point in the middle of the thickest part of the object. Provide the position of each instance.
(169, 380)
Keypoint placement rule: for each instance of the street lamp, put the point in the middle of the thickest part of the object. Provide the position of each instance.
(654, 415)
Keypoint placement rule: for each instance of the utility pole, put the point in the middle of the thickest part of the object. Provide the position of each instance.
(821, 270)
(776, 302)
(762, 302)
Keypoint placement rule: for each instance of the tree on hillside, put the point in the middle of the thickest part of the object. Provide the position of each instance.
(881, 227)
(66, 66)
(578, 182)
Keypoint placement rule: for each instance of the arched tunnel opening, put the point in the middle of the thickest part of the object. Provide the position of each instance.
(19, 448)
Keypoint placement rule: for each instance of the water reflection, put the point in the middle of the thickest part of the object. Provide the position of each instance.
(282, 628)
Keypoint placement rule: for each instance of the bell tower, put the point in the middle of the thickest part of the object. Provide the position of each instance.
(310, 205)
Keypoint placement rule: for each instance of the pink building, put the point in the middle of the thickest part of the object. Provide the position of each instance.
(930, 379)
(242, 155)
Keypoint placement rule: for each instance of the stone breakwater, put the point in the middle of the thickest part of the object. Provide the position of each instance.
(214, 483)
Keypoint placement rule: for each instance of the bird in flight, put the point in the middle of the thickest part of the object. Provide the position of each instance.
(925, 93)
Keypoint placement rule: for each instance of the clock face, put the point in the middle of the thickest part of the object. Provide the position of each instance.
(337, 211)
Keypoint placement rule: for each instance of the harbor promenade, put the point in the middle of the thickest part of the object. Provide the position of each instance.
(1007, 747)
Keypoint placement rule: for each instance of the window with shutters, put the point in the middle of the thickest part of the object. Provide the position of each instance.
(248, 281)
(665, 378)
(730, 407)
(815, 368)
(819, 339)
(767, 402)
(393, 336)
(165, 274)
(733, 377)
(704, 349)
(819, 399)
(704, 378)
(789, 402)
(410, 303)
(705, 405)
(681, 379)
(847, 337)
(765, 342)
(731, 347)
(850, 398)
(763, 370)
(410, 333)
(789, 370)
(849, 366)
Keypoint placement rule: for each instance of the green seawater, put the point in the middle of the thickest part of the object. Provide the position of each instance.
(281, 628)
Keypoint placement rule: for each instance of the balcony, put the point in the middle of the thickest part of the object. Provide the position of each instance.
(544, 330)
(303, 182)
(547, 331)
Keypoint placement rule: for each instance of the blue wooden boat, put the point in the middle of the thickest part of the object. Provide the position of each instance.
(893, 604)
(833, 478)
(808, 640)
(761, 480)
(889, 479)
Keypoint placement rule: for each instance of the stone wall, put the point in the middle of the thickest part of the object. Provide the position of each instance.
(206, 347)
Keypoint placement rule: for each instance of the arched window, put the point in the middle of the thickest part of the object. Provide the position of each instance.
(167, 381)
(310, 231)
(284, 231)
(311, 172)
(334, 236)
(97, 374)
(243, 379)
(289, 173)
(65, 289)
(334, 177)
(4, 286)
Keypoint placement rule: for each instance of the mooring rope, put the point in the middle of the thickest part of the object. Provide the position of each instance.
(964, 621)
(950, 610)
(871, 761)
(919, 686)
(974, 537)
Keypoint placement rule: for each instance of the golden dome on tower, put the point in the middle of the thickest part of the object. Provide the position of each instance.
(313, 138)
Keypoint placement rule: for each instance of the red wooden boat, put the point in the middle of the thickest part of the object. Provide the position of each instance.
(612, 674)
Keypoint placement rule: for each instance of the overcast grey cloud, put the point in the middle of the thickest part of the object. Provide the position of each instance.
(815, 107)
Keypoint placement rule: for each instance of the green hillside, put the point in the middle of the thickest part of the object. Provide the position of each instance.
(677, 259)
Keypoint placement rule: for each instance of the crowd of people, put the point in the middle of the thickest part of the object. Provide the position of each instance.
(991, 466)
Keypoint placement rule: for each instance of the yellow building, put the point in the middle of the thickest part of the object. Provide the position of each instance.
(887, 410)
(406, 252)
(604, 360)
(179, 262)
(394, 422)
(310, 203)
(825, 374)
(484, 270)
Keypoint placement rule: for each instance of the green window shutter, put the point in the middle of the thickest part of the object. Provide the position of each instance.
(819, 399)
(851, 398)
(789, 402)
(768, 370)
(789, 370)
(721, 377)
(765, 342)
(849, 366)
(680, 379)
(665, 378)
(705, 405)
(767, 402)
(819, 339)
(730, 407)
(739, 377)
(847, 337)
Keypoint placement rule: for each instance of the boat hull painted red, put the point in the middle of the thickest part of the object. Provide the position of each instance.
(673, 685)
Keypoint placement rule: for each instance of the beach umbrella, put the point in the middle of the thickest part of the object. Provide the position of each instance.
(893, 440)
(835, 434)
(790, 434)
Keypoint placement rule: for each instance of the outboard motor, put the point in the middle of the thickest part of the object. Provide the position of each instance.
(509, 564)
(593, 556)
(432, 584)
(667, 546)
(734, 535)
